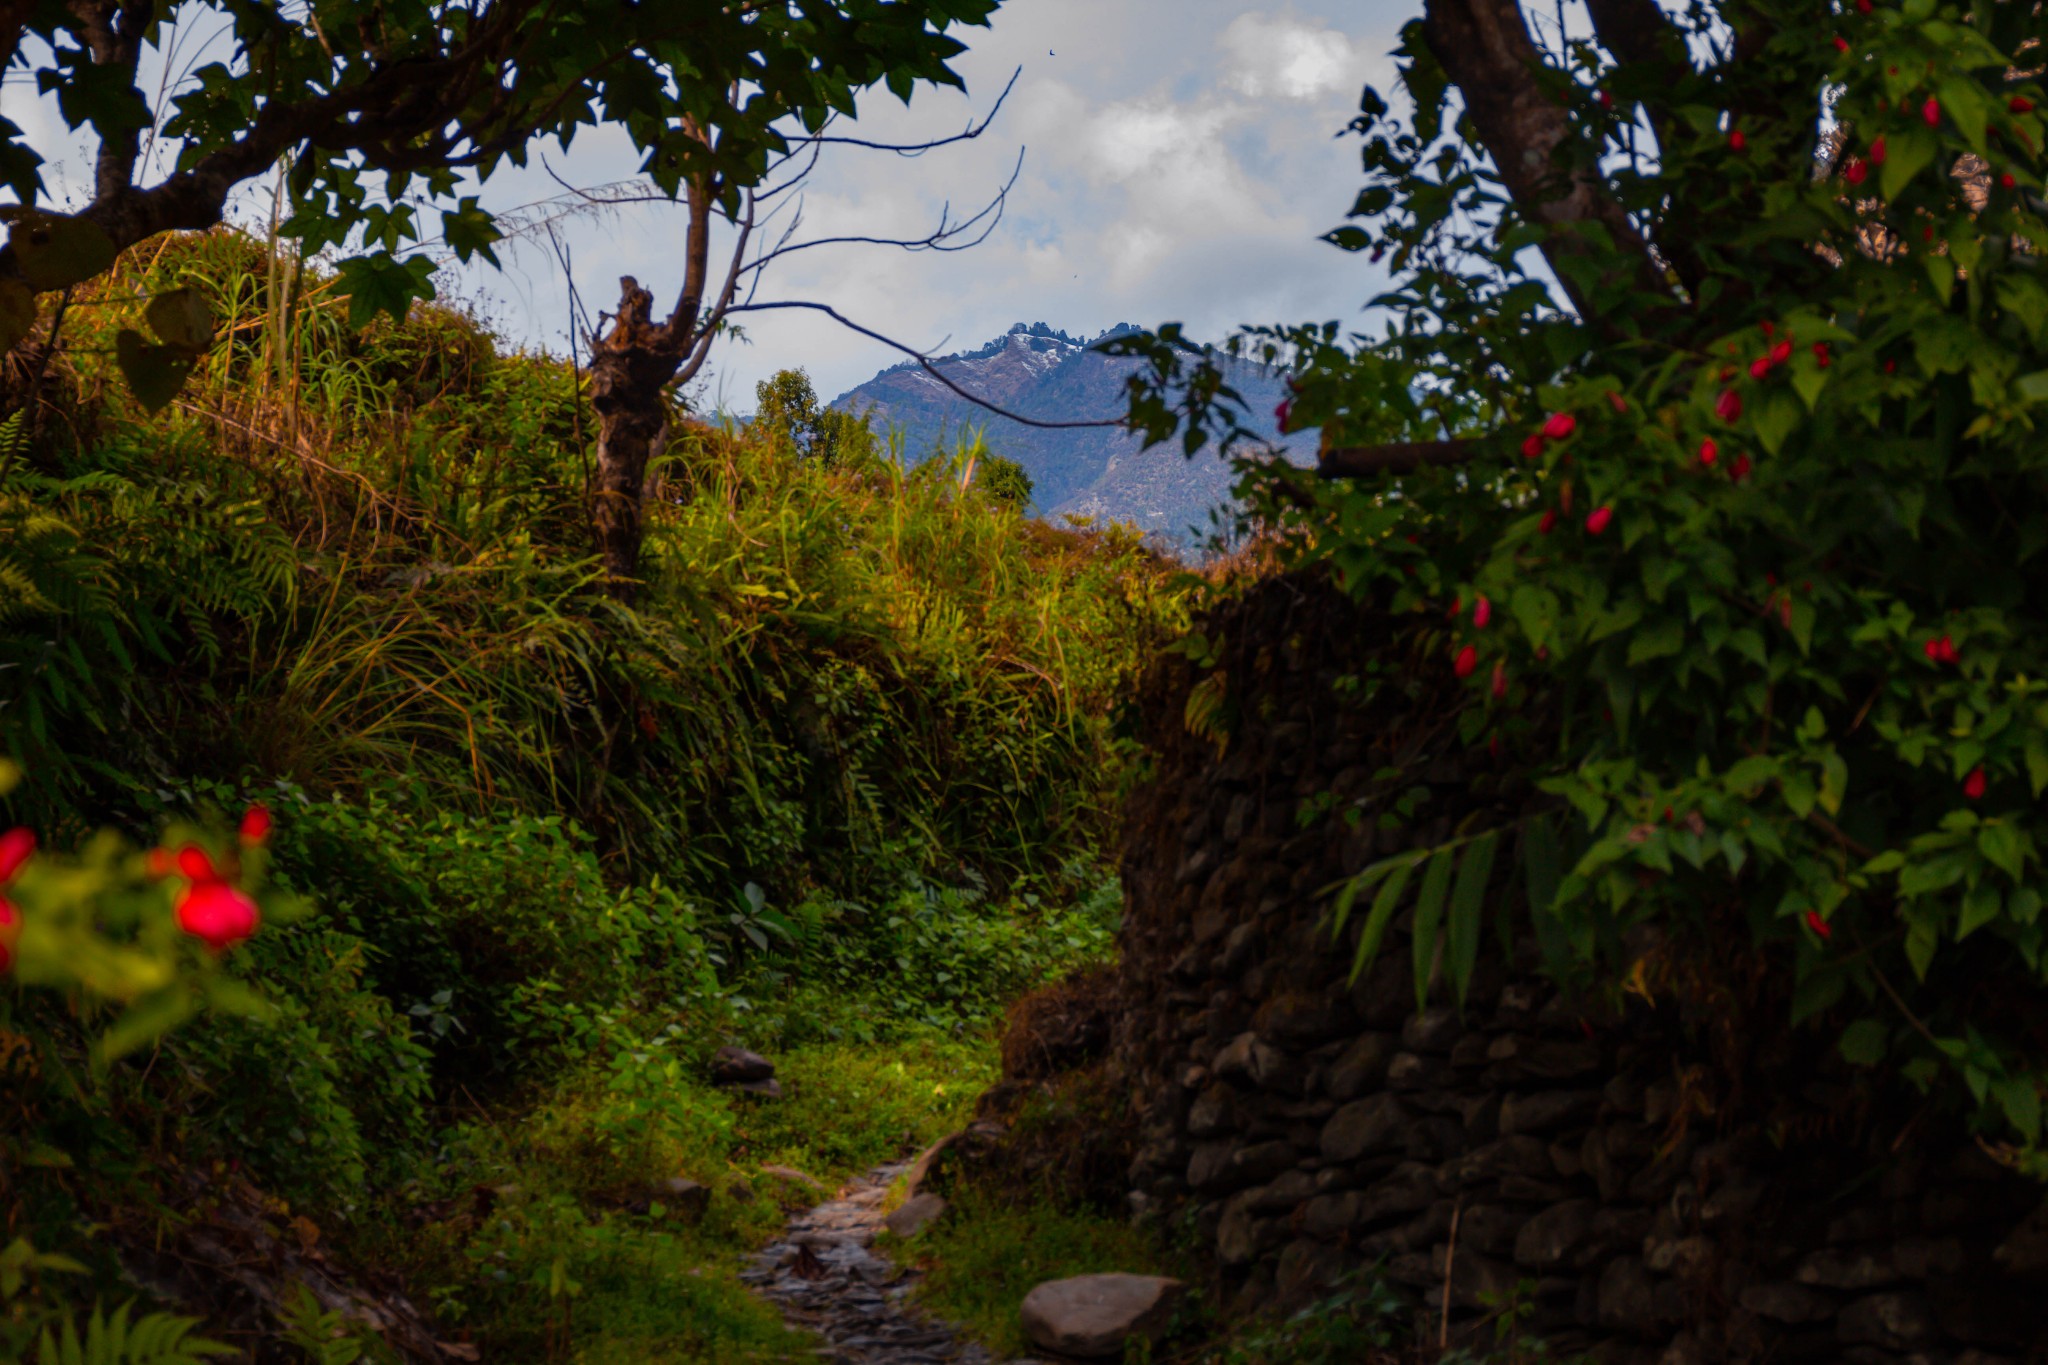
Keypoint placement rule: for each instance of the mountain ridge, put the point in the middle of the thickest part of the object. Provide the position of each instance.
(1038, 371)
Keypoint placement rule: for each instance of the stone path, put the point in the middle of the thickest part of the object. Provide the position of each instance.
(826, 1277)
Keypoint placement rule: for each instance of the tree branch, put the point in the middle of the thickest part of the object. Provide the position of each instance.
(1485, 48)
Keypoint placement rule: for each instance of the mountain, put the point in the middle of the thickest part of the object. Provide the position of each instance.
(1100, 472)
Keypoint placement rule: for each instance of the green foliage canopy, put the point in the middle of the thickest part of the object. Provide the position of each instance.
(1707, 414)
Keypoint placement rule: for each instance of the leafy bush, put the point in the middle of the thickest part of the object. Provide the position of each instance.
(1729, 523)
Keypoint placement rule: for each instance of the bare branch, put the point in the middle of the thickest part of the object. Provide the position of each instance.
(924, 360)
(917, 149)
(940, 239)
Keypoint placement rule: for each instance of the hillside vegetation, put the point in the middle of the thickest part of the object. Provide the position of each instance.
(842, 776)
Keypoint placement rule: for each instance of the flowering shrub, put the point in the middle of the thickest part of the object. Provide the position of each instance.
(1755, 473)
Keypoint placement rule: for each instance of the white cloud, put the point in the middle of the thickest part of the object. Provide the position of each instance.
(1276, 55)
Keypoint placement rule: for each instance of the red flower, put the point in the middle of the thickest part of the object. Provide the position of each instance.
(256, 824)
(1973, 785)
(1282, 410)
(217, 914)
(1759, 367)
(1467, 660)
(1709, 452)
(1891, 367)
(1947, 647)
(162, 864)
(1781, 352)
(1559, 425)
(1863, 6)
(1737, 142)
(1927, 233)
(10, 929)
(1819, 926)
(1549, 522)
(1532, 447)
(1500, 679)
(2006, 181)
(1841, 43)
(1933, 649)
(1606, 99)
(1482, 612)
(1728, 407)
(15, 847)
(193, 862)
(1738, 468)
(1931, 111)
(1855, 171)
(2020, 104)
(1616, 401)
(1820, 354)
(1597, 519)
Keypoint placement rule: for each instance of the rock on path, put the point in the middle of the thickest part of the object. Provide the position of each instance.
(826, 1277)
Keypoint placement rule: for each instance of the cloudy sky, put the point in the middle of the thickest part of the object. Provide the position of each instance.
(1180, 159)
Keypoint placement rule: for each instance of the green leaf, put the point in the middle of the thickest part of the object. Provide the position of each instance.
(1941, 273)
(154, 373)
(1864, 1042)
(1908, 153)
(1776, 417)
(1664, 635)
(1980, 906)
(1834, 782)
(1381, 915)
(1535, 611)
(1429, 904)
(2001, 843)
(2020, 1098)
(383, 284)
(1468, 908)
(56, 252)
(180, 318)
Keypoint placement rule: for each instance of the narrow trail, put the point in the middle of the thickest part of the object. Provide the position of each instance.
(826, 1277)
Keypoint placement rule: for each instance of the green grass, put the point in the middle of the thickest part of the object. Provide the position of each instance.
(985, 1255)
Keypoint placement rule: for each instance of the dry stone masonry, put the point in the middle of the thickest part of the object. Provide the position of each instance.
(1600, 1167)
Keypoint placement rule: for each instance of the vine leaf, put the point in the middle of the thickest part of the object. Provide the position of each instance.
(181, 318)
(1467, 911)
(154, 373)
(56, 252)
(1429, 906)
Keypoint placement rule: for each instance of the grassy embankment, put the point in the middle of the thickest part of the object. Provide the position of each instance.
(836, 788)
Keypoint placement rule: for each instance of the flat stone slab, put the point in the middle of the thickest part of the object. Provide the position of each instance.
(916, 1215)
(1092, 1316)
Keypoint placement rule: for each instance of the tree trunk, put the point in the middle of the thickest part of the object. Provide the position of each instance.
(630, 370)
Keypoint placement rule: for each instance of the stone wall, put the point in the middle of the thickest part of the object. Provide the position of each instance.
(1671, 1176)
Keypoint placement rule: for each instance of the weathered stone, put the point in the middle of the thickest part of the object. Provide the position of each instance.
(1302, 1019)
(1920, 1258)
(1214, 1111)
(1234, 1062)
(1846, 1269)
(1258, 1163)
(1307, 1270)
(1547, 1110)
(1731, 1203)
(915, 1215)
(737, 1066)
(2025, 1249)
(1684, 1257)
(1330, 1216)
(1293, 1188)
(1520, 1155)
(1476, 1281)
(1628, 1297)
(1490, 1228)
(1895, 1321)
(1409, 1188)
(1209, 1166)
(1237, 950)
(1554, 1234)
(1412, 1071)
(1432, 1031)
(1093, 1316)
(1363, 1127)
(1361, 1067)
(1243, 1234)
(1793, 1303)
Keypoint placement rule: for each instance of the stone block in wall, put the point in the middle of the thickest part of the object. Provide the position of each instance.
(1475, 1281)
(1437, 1138)
(1239, 947)
(1303, 1019)
(1545, 1111)
(1550, 1238)
(1629, 1299)
(1409, 1188)
(1782, 1301)
(1518, 1059)
(1308, 1269)
(1242, 1234)
(1843, 1268)
(1364, 1128)
(1221, 1167)
(1413, 1071)
(1491, 1228)
(1519, 1155)
(1897, 1320)
(1214, 1112)
(1433, 1031)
